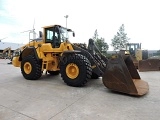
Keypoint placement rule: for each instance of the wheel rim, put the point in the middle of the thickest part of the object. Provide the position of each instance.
(27, 68)
(72, 70)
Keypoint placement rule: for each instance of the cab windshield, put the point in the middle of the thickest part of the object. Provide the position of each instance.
(64, 34)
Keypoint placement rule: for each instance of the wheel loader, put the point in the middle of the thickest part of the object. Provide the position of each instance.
(77, 63)
(136, 53)
(7, 53)
(140, 58)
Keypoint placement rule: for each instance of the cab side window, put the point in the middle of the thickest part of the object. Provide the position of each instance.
(49, 36)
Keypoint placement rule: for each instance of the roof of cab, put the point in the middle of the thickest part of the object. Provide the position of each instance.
(51, 26)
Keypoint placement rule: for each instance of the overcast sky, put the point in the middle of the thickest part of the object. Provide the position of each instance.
(140, 17)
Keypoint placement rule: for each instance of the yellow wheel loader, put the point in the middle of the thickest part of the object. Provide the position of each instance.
(77, 63)
(6, 53)
(140, 58)
(136, 53)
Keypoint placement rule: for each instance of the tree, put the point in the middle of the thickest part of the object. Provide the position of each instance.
(95, 37)
(119, 40)
(100, 43)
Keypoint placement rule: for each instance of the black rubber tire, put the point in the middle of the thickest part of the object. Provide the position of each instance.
(94, 76)
(84, 66)
(53, 72)
(36, 68)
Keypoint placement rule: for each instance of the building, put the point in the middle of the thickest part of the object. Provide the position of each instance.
(5, 45)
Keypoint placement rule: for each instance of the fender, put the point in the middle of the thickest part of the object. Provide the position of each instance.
(28, 51)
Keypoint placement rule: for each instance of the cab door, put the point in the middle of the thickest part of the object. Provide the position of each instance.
(53, 36)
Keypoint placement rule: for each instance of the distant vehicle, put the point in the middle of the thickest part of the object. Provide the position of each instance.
(6, 54)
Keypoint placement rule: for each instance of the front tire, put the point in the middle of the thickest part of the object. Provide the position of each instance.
(76, 70)
(31, 68)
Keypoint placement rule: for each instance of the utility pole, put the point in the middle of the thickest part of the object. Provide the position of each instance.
(66, 16)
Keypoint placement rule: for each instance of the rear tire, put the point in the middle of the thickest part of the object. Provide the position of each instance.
(76, 70)
(31, 68)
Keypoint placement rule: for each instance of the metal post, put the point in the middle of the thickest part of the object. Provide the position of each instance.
(66, 22)
(66, 19)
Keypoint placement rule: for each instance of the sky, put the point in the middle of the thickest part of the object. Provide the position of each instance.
(141, 19)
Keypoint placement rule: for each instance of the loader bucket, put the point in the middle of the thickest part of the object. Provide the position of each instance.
(122, 76)
(149, 65)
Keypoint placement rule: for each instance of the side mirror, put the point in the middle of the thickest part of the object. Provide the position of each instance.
(73, 34)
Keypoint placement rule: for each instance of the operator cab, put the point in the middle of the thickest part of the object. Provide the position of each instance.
(56, 35)
(132, 47)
